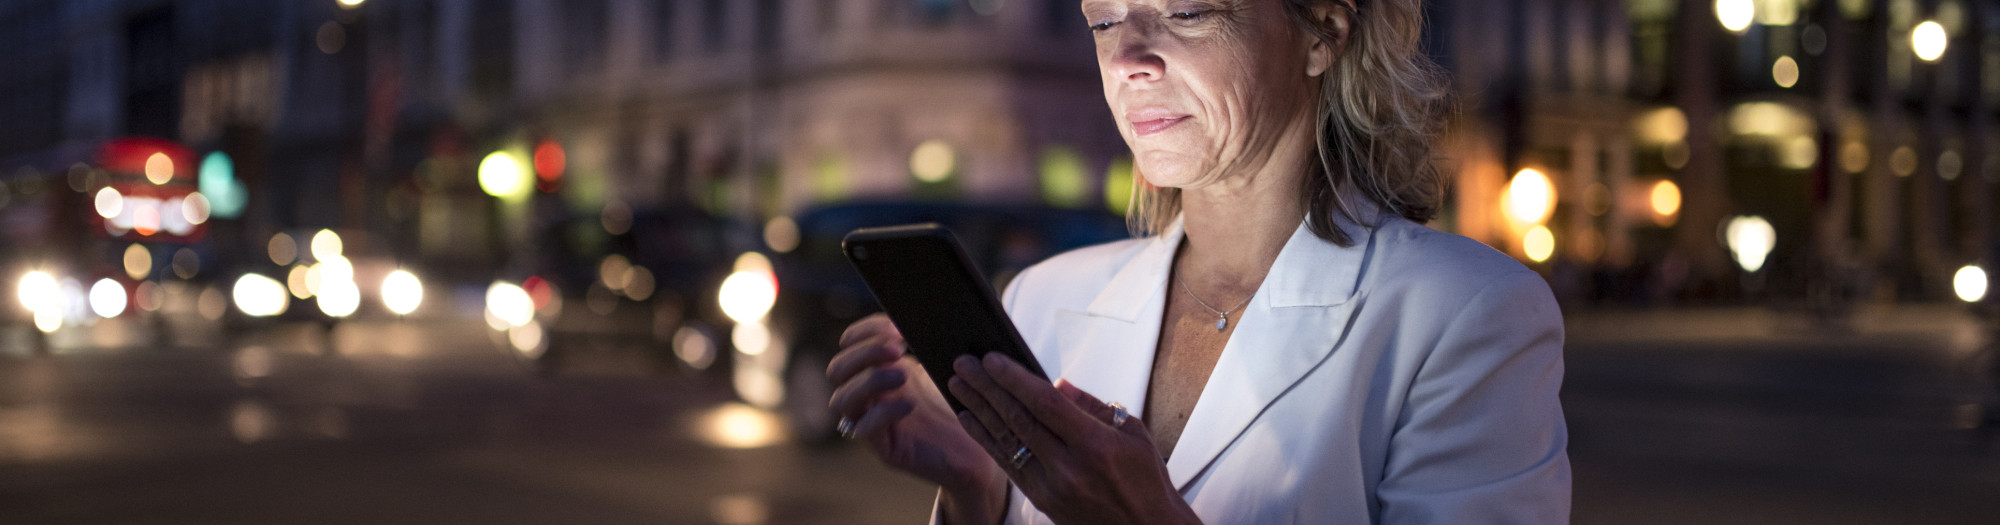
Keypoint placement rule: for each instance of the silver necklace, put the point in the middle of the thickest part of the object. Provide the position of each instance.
(1221, 317)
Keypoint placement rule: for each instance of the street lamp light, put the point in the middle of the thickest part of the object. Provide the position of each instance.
(1929, 40)
(1735, 15)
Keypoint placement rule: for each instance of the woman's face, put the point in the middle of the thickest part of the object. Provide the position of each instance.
(1203, 89)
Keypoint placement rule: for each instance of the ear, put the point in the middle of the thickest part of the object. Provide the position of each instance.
(1335, 21)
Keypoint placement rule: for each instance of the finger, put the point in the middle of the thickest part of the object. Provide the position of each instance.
(975, 404)
(867, 327)
(1089, 404)
(852, 399)
(868, 353)
(979, 433)
(1020, 422)
(1037, 398)
(881, 416)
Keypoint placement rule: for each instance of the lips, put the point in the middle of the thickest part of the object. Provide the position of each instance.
(1155, 125)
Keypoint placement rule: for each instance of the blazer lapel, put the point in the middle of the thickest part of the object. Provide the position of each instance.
(1300, 314)
(1110, 346)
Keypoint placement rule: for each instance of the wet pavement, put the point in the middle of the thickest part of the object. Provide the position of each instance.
(1693, 416)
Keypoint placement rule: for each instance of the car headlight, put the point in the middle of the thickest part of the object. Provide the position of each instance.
(749, 292)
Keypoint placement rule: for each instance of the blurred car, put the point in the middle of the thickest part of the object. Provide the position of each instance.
(321, 276)
(820, 293)
(626, 280)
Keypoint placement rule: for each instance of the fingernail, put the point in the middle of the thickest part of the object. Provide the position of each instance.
(965, 364)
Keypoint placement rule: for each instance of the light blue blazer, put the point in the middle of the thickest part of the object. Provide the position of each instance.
(1410, 378)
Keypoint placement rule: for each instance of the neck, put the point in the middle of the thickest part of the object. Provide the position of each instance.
(1237, 226)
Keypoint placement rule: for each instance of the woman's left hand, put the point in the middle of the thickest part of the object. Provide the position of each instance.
(1081, 468)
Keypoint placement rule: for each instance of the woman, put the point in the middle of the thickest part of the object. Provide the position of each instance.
(1288, 345)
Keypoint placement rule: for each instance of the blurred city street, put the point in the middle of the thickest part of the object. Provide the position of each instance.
(417, 422)
(555, 261)
(1696, 416)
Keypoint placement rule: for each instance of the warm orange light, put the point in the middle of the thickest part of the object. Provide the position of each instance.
(159, 168)
(1530, 197)
(1666, 198)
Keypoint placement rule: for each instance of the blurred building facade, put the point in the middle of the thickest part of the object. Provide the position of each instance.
(1876, 168)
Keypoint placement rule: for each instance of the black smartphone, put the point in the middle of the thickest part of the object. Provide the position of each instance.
(936, 297)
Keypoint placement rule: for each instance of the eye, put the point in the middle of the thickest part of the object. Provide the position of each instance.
(1101, 26)
(1187, 15)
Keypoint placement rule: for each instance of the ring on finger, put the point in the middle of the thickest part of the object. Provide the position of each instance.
(1021, 457)
(846, 427)
(1119, 415)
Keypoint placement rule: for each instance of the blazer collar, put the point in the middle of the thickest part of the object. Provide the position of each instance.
(1309, 270)
(1299, 316)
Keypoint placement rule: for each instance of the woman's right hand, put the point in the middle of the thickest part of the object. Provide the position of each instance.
(902, 416)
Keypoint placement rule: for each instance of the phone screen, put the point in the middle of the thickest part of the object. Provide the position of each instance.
(936, 298)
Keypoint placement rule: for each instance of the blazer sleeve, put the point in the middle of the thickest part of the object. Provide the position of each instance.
(1480, 437)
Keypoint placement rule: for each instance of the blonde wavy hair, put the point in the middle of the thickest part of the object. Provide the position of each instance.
(1380, 108)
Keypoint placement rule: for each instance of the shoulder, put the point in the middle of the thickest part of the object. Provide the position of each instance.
(1074, 277)
(1421, 259)
(1435, 271)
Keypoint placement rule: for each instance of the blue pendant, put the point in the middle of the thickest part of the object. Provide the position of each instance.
(1221, 322)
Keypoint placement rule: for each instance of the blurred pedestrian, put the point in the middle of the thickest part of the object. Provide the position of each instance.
(1287, 343)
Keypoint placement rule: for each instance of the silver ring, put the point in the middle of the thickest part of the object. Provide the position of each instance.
(1021, 457)
(846, 427)
(1119, 415)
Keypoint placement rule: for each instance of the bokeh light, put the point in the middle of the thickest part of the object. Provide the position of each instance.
(736, 425)
(1666, 199)
(1539, 244)
(159, 168)
(509, 303)
(195, 208)
(38, 291)
(327, 245)
(1929, 40)
(933, 161)
(402, 293)
(500, 175)
(216, 178)
(138, 261)
(338, 298)
(1785, 72)
(1750, 239)
(1970, 283)
(297, 280)
(109, 203)
(1530, 197)
(259, 296)
(1735, 15)
(282, 249)
(781, 234)
(748, 293)
(107, 298)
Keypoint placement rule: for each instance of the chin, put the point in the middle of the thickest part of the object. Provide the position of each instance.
(1169, 170)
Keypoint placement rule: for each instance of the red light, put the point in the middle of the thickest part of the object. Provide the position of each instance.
(549, 163)
(539, 291)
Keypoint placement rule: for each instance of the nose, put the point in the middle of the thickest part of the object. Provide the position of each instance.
(1133, 57)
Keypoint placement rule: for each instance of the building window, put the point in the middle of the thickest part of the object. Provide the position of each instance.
(663, 29)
